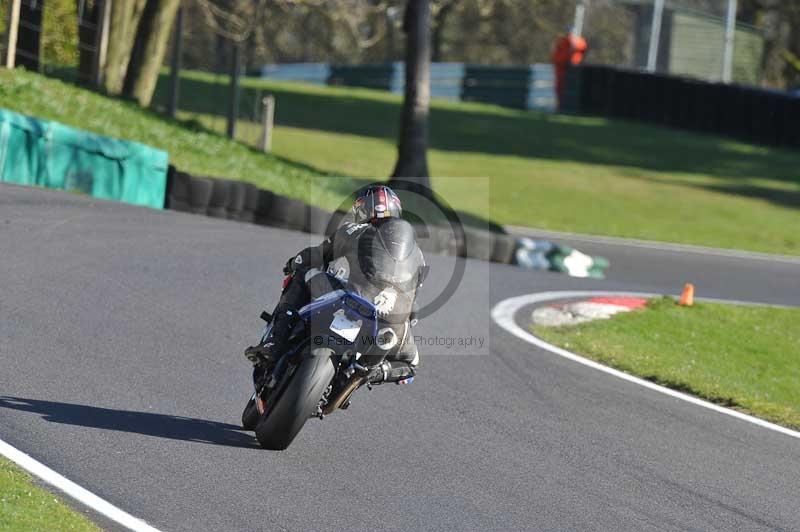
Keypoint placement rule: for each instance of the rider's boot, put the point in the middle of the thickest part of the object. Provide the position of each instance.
(269, 351)
(396, 371)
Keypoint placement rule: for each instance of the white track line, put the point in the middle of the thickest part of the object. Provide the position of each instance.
(503, 314)
(73, 490)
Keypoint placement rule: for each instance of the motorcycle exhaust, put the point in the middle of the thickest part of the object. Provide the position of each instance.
(344, 395)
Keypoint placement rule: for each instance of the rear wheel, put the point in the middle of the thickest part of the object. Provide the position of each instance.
(283, 420)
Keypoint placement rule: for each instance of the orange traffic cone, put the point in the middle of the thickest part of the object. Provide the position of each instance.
(687, 296)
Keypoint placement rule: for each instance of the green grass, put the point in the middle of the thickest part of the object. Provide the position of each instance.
(564, 173)
(25, 506)
(191, 148)
(580, 174)
(746, 357)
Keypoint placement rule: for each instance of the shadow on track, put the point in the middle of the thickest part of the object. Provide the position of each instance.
(158, 425)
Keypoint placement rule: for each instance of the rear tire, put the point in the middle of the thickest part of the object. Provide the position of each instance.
(284, 419)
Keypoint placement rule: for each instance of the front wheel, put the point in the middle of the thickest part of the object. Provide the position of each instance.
(250, 414)
(283, 420)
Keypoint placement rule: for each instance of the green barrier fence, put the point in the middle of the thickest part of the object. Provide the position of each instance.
(49, 154)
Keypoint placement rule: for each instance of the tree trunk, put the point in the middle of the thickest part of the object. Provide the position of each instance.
(391, 41)
(776, 34)
(412, 158)
(308, 25)
(125, 16)
(149, 49)
(791, 73)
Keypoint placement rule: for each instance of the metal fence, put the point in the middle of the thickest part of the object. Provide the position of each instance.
(61, 37)
(695, 38)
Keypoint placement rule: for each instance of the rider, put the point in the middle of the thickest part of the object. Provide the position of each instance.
(375, 256)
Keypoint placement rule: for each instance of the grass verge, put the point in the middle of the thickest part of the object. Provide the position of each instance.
(587, 175)
(581, 174)
(25, 506)
(191, 147)
(745, 357)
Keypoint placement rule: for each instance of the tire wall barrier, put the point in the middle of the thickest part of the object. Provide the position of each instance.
(48, 154)
(234, 200)
(748, 113)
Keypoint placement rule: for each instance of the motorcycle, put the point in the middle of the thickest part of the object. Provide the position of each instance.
(329, 356)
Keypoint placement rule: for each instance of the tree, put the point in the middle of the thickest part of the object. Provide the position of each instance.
(412, 158)
(124, 21)
(441, 10)
(149, 48)
(780, 24)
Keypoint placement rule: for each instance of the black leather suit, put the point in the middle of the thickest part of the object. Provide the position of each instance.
(380, 262)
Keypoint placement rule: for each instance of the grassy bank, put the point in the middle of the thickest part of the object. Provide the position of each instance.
(579, 174)
(25, 506)
(745, 357)
(191, 148)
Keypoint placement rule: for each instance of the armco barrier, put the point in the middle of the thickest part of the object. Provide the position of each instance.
(222, 198)
(49, 154)
(523, 87)
(317, 73)
(445, 78)
(749, 113)
(380, 76)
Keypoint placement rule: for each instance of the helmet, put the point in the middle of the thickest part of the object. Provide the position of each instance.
(376, 202)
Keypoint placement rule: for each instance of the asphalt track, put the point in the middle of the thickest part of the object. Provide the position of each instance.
(121, 331)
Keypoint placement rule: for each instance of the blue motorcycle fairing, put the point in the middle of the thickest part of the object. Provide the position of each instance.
(320, 303)
(353, 305)
(319, 314)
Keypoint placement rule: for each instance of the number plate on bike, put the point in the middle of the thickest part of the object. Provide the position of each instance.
(345, 327)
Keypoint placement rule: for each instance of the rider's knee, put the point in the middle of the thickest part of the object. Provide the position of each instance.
(409, 354)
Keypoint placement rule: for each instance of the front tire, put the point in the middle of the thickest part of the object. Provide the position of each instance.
(283, 420)
(250, 415)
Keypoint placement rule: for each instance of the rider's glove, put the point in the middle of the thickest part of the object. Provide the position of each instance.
(288, 269)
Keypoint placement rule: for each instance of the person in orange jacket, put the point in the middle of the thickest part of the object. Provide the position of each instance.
(568, 51)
